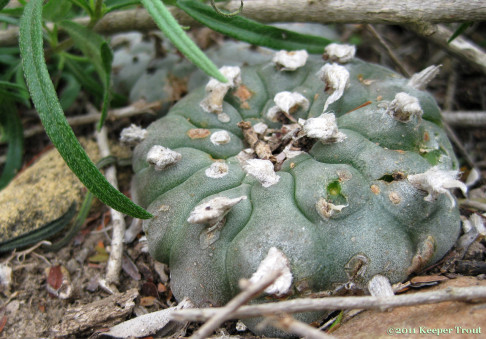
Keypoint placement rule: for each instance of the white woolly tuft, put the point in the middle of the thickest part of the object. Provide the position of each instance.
(216, 90)
(217, 170)
(260, 128)
(436, 181)
(213, 210)
(286, 102)
(290, 60)
(327, 209)
(404, 107)
(262, 170)
(323, 128)
(340, 53)
(133, 135)
(220, 137)
(421, 79)
(162, 157)
(275, 260)
(336, 78)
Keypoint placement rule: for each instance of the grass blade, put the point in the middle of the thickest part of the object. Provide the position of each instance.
(3, 3)
(97, 50)
(12, 127)
(39, 234)
(168, 24)
(462, 28)
(47, 104)
(251, 31)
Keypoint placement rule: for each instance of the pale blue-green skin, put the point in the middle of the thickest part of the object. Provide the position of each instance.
(284, 215)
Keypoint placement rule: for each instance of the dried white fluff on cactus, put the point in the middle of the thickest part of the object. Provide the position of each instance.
(220, 137)
(404, 107)
(275, 260)
(336, 78)
(213, 210)
(287, 102)
(133, 135)
(217, 169)
(323, 128)
(216, 90)
(436, 181)
(290, 60)
(262, 170)
(340, 53)
(161, 157)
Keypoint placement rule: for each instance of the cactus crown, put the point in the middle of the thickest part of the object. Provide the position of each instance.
(323, 163)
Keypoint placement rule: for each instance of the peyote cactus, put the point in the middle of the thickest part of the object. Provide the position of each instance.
(340, 167)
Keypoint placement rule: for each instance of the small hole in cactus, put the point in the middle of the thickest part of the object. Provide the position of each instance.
(334, 188)
(151, 70)
(387, 178)
(393, 177)
(334, 194)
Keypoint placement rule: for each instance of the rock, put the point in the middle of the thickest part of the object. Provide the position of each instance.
(459, 318)
(41, 193)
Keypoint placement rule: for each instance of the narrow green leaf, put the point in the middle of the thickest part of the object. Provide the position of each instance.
(113, 6)
(9, 19)
(461, 29)
(83, 4)
(98, 51)
(47, 104)
(88, 42)
(56, 10)
(3, 3)
(11, 85)
(41, 233)
(13, 134)
(85, 77)
(106, 60)
(168, 24)
(70, 91)
(106, 57)
(251, 31)
(77, 224)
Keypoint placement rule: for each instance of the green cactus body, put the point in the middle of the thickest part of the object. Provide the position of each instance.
(341, 212)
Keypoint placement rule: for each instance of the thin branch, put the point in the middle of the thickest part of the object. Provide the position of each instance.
(389, 51)
(250, 291)
(113, 266)
(366, 11)
(343, 11)
(474, 293)
(458, 143)
(138, 107)
(474, 204)
(460, 47)
(465, 119)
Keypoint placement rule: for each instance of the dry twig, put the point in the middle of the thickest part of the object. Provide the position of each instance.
(465, 119)
(138, 107)
(250, 291)
(344, 11)
(460, 47)
(473, 204)
(118, 222)
(473, 293)
(389, 51)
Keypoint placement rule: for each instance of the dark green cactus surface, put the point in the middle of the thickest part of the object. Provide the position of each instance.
(341, 212)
